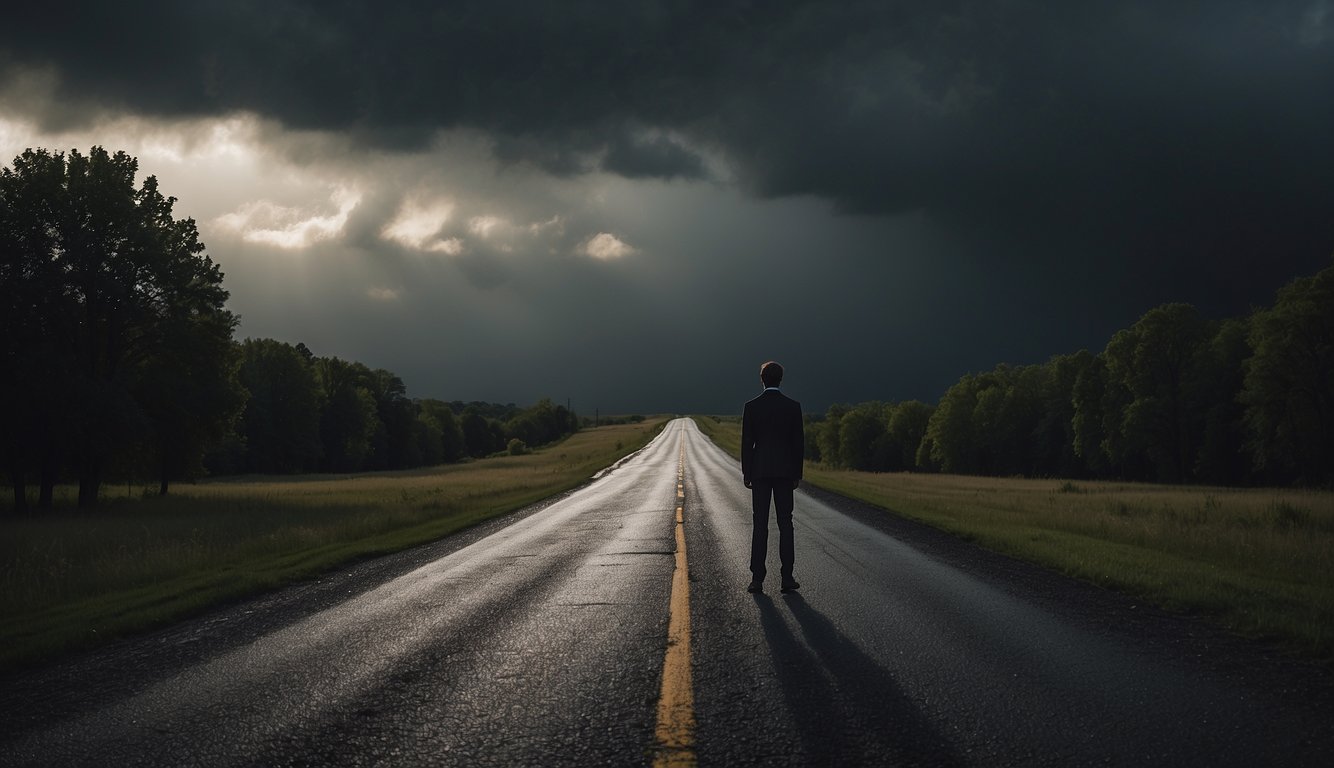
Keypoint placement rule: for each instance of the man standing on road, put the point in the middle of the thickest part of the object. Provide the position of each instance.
(773, 442)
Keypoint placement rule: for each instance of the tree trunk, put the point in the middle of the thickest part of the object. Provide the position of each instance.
(20, 491)
(90, 481)
(47, 481)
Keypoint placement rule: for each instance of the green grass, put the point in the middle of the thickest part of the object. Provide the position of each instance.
(725, 431)
(71, 579)
(1258, 561)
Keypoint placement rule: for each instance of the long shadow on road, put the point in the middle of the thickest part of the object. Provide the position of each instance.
(849, 710)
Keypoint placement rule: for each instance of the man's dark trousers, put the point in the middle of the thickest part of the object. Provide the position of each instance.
(761, 490)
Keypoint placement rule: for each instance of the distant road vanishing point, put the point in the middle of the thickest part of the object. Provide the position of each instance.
(611, 626)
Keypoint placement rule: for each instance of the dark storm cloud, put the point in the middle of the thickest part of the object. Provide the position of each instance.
(1196, 131)
(656, 157)
(1155, 151)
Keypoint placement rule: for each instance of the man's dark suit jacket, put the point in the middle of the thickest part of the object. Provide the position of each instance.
(773, 438)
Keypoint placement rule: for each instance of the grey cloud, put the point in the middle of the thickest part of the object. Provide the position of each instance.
(1098, 157)
(656, 157)
(483, 270)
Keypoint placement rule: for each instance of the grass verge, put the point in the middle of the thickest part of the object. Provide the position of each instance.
(71, 579)
(1259, 561)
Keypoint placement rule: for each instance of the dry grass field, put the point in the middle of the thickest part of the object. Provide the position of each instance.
(1257, 560)
(72, 578)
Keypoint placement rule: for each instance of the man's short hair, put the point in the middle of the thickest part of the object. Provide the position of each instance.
(771, 373)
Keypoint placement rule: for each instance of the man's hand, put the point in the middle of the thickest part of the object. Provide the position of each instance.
(746, 482)
(795, 483)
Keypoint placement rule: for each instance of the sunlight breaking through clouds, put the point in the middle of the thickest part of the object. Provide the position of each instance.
(484, 226)
(606, 246)
(450, 246)
(235, 139)
(231, 140)
(418, 223)
(288, 227)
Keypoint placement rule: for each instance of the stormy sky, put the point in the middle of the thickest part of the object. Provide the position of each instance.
(633, 204)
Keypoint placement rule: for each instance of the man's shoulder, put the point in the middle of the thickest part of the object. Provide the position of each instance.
(759, 399)
(771, 398)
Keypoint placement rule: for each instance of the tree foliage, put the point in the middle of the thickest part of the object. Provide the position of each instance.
(280, 427)
(1289, 383)
(326, 414)
(1173, 398)
(116, 334)
(119, 358)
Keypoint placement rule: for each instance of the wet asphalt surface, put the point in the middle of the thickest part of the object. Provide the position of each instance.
(538, 639)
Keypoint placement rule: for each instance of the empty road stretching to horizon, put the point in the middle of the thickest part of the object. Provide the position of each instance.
(581, 632)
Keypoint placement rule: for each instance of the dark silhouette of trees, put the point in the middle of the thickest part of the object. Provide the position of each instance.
(953, 439)
(281, 422)
(828, 438)
(1054, 436)
(190, 393)
(38, 306)
(545, 422)
(1173, 398)
(861, 437)
(396, 446)
(478, 436)
(350, 426)
(439, 416)
(1155, 364)
(874, 436)
(1289, 383)
(904, 433)
(308, 413)
(119, 359)
(109, 300)
(1223, 457)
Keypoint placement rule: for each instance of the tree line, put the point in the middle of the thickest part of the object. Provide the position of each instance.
(1175, 398)
(119, 357)
(305, 413)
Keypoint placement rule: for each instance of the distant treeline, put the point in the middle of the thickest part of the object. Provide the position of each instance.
(1174, 398)
(119, 361)
(322, 414)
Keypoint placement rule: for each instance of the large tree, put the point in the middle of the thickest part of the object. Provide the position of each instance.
(1055, 434)
(1222, 458)
(349, 424)
(1289, 383)
(440, 416)
(1153, 396)
(190, 394)
(103, 283)
(906, 428)
(36, 306)
(951, 439)
(281, 421)
(396, 447)
(859, 435)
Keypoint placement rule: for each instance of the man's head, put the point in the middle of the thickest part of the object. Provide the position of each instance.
(771, 373)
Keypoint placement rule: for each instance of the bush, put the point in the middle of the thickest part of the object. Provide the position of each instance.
(517, 447)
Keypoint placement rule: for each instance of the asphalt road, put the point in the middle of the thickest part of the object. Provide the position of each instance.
(541, 639)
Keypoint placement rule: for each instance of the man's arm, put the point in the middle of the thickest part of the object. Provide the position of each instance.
(799, 441)
(747, 445)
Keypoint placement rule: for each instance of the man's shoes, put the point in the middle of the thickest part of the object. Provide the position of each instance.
(755, 587)
(790, 585)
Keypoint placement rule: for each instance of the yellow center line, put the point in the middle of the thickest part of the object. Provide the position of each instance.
(676, 704)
